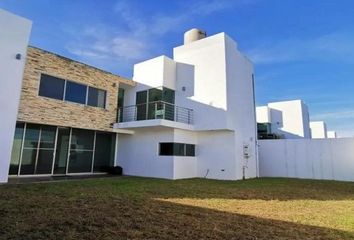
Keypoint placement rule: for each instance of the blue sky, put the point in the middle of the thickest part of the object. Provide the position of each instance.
(301, 49)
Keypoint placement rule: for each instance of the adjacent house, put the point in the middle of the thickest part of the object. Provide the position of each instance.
(331, 134)
(318, 129)
(285, 119)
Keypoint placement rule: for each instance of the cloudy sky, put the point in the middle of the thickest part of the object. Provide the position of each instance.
(301, 49)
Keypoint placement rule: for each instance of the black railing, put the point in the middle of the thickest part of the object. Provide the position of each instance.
(155, 110)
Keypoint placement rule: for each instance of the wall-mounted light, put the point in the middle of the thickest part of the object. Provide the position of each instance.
(183, 89)
(18, 56)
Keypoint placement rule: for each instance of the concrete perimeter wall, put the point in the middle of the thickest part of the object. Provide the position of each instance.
(331, 159)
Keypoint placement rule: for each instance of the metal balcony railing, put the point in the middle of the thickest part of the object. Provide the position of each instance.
(155, 110)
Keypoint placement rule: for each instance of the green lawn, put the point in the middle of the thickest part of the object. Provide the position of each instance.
(143, 208)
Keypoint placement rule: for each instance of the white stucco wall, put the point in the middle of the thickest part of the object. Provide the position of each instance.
(138, 153)
(318, 129)
(14, 36)
(331, 159)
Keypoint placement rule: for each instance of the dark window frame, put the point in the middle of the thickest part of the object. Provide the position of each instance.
(64, 91)
(174, 149)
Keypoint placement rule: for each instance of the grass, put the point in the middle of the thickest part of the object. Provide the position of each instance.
(143, 208)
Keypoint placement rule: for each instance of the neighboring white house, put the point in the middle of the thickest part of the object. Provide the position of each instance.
(14, 36)
(331, 134)
(191, 116)
(318, 129)
(287, 119)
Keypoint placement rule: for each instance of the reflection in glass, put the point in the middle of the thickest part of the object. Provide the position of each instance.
(61, 154)
(16, 149)
(28, 161)
(104, 151)
(80, 161)
(82, 139)
(31, 136)
(47, 137)
(44, 162)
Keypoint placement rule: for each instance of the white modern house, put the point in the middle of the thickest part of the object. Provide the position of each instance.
(318, 129)
(331, 134)
(286, 119)
(191, 116)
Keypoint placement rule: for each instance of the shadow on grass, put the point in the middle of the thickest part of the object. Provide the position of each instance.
(125, 208)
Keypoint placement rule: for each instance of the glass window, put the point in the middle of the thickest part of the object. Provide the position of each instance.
(190, 150)
(168, 95)
(81, 151)
(96, 97)
(75, 92)
(155, 95)
(16, 149)
(80, 161)
(166, 149)
(61, 154)
(44, 161)
(120, 105)
(82, 139)
(104, 151)
(177, 149)
(141, 102)
(28, 162)
(47, 137)
(51, 87)
(31, 136)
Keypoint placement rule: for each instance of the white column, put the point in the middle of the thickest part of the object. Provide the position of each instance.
(14, 38)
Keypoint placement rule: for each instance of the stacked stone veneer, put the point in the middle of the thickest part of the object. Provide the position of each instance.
(36, 109)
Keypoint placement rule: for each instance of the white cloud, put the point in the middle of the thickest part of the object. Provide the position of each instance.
(137, 35)
(337, 45)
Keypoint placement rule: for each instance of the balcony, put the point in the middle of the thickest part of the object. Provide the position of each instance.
(155, 110)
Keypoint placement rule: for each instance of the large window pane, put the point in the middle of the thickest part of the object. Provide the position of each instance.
(190, 150)
(168, 95)
(44, 162)
(31, 136)
(80, 161)
(61, 154)
(75, 92)
(82, 139)
(16, 149)
(104, 151)
(141, 102)
(96, 97)
(166, 149)
(178, 149)
(47, 137)
(51, 87)
(120, 104)
(28, 161)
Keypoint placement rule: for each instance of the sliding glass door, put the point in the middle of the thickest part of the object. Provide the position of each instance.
(38, 150)
(50, 150)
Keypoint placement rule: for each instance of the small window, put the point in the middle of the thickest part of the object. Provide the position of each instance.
(75, 92)
(51, 87)
(177, 149)
(166, 149)
(96, 97)
(190, 150)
